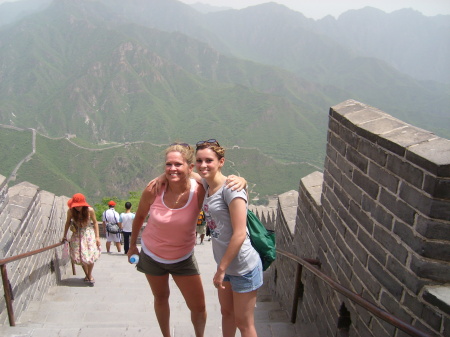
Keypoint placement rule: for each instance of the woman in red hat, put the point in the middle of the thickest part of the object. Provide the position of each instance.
(85, 241)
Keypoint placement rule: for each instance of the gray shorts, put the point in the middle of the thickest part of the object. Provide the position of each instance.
(149, 266)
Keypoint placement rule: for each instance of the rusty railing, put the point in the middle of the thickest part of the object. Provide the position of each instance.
(9, 296)
(380, 313)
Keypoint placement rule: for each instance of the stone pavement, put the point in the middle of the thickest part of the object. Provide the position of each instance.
(121, 304)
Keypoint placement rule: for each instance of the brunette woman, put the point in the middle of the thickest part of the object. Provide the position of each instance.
(239, 269)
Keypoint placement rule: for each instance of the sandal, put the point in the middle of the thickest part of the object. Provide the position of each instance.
(86, 279)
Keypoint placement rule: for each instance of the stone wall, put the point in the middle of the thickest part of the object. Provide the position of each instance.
(30, 219)
(378, 219)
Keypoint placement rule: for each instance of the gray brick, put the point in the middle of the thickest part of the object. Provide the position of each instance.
(386, 280)
(413, 303)
(380, 214)
(432, 229)
(362, 217)
(348, 220)
(358, 250)
(345, 166)
(405, 170)
(365, 183)
(373, 152)
(437, 187)
(368, 280)
(433, 270)
(349, 137)
(331, 153)
(383, 177)
(440, 209)
(393, 307)
(415, 198)
(354, 157)
(433, 156)
(342, 197)
(388, 241)
(397, 207)
(337, 144)
(408, 236)
(372, 246)
(436, 250)
(404, 275)
(432, 318)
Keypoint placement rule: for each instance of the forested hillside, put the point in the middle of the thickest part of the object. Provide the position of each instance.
(158, 71)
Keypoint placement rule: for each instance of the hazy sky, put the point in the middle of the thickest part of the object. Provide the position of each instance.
(317, 9)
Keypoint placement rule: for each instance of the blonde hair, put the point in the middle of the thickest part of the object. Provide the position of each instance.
(186, 151)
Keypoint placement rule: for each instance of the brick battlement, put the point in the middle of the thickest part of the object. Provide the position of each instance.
(378, 219)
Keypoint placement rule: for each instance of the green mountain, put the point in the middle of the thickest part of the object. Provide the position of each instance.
(141, 72)
(65, 166)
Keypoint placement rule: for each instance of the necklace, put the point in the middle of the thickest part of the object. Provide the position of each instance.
(181, 195)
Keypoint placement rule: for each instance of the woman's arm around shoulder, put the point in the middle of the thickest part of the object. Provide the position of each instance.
(200, 194)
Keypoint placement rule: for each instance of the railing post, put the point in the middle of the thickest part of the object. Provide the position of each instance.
(8, 295)
(298, 279)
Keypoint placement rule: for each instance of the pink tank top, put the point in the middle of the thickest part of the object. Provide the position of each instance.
(170, 233)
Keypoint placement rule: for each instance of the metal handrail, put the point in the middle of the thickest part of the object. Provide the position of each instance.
(9, 296)
(387, 317)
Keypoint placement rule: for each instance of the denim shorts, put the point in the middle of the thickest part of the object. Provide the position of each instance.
(248, 282)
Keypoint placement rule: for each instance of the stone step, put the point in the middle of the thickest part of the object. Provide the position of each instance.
(121, 304)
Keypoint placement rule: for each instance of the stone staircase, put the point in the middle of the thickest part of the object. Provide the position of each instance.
(121, 304)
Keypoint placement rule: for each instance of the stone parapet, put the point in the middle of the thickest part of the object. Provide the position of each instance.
(378, 219)
(31, 219)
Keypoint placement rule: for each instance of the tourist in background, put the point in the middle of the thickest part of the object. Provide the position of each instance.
(201, 227)
(85, 240)
(126, 222)
(239, 269)
(111, 216)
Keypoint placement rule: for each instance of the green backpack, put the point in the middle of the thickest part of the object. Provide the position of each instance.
(262, 239)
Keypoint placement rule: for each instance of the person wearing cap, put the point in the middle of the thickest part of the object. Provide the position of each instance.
(111, 216)
(85, 241)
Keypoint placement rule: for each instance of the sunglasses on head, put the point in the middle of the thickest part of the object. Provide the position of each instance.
(181, 144)
(207, 142)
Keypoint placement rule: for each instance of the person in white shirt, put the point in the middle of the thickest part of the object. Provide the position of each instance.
(126, 221)
(110, 215)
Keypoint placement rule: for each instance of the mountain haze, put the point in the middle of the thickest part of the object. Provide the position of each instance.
(159, 71)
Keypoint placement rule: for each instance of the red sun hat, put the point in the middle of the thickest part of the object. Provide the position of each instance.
(112, 203)
(69, 203)
(78, 200)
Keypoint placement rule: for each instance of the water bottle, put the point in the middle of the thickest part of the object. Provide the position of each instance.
(134, 258)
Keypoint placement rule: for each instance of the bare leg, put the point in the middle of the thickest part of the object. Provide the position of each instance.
(227, 310)
(161, 291)
(108, 246)
(89, 268)
(244, 313)
(191, 288)
(119, 247)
